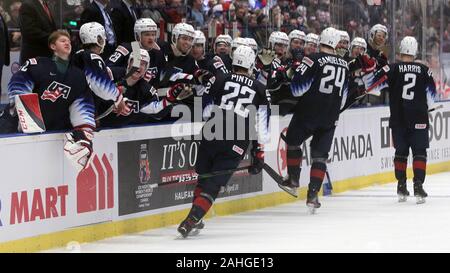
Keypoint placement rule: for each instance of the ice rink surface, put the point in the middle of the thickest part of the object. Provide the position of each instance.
(367, 220)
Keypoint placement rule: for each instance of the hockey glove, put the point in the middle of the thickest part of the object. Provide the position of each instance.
(257, 154)
(291, 71)
(202, 76)
(178, 92)
(368, 64)
(78, 148)
(266, 56)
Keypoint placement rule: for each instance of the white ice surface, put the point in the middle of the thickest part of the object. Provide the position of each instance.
(367, 220)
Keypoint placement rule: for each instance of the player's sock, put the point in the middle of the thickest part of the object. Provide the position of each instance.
(294, 163)
(419, 167)
(400, 164)
(318, 170)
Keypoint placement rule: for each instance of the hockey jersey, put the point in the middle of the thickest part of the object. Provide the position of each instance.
(157, 62)
(321, 82)
(236, 96)
(412, 92)
(64, 99)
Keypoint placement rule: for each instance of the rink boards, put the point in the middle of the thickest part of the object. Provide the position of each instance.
(129, 186)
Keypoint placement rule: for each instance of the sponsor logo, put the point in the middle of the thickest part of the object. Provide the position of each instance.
(238, 150)
(95, 186)
(386, 139)
(56, 90)
(28, 206)
(144, 165)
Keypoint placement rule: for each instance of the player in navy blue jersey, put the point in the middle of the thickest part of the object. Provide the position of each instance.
(321, 82)
(412, 93)
(234, 96)
(98, 75)
(146, 33)
(63, 99)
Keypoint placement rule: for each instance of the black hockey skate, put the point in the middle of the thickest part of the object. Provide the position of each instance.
(419, 193)
(402, 191)
(312, 201)
(190, 228)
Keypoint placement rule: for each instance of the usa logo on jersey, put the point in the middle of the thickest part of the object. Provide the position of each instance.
(56, 90)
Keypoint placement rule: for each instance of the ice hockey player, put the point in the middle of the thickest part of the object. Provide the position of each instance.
(177, 53)
(221, 59)
(253, 44)
(146, 33)
(342, 48)
(199, 49)
(58, 96)
(296, 51)
(358, 47)
(312, 44)
(222, 153)
(412, 92)
(139, 95)
(378, 37)
(322, 82)
(98, 76)
(278, 43)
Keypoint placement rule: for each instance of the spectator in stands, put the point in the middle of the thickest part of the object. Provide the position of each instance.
(15, 36)
(4, 48)
(124, 16)
(195, 13)
(36, 24)
(99, 11)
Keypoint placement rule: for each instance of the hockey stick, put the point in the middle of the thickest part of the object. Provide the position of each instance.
(211, 174)
(367, 92)
(136, 54)
(436, 108)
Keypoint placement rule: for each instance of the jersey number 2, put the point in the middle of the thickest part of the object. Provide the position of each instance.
(410, 80)
(237, 89)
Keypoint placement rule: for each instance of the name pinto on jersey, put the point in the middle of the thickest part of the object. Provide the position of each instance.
(242, 79)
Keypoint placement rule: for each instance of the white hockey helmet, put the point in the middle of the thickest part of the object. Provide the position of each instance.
(375, 29)
(223, 39)
(93, 33)
(358, 41)
(312, 38)
(409, 46)
(345, 36)
(244, 57)
(238, 41)
(330, 37)
(144, 25)
(278, 37)
(253, 44)
(199, 38)
(144, 57)
(297, 34)
(182, 29)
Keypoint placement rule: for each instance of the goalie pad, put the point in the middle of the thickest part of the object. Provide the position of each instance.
(29, 113)
(78, 150)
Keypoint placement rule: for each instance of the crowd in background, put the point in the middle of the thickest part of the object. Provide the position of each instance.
(258, 18)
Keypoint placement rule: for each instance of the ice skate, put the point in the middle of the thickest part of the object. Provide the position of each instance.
(419, 193)
(312, 201)
(402, 192)
(190, 228)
